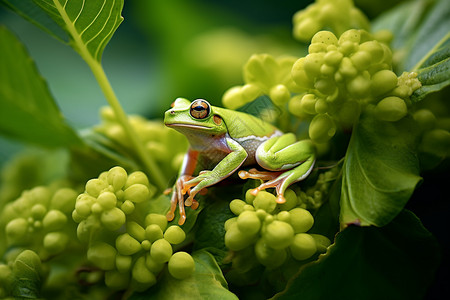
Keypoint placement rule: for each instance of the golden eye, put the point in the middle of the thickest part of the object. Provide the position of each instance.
(200, 109)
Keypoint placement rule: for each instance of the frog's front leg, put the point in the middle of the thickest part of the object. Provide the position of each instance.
(227, 166)
(289, 160)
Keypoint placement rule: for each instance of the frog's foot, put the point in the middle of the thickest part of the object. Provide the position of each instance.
(178, 198)
(279, 180)
(255, 174)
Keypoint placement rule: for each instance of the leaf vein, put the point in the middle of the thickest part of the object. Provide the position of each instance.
(79, 13)
(92, 22)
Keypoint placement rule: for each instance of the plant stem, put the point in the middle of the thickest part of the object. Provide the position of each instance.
(150, 166)
(152, 169)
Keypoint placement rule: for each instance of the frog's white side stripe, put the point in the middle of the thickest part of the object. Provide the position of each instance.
(258, 138)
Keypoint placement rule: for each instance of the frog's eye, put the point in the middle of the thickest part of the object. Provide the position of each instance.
(200, 109)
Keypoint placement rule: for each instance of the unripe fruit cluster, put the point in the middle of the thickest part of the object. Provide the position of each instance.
(435, 138)
(263, 75)
(140, 254)
(339, 77)
(130, 247)
(108, 199)
(337, 15)
(40, 220)
(274, 232)
(165, 145)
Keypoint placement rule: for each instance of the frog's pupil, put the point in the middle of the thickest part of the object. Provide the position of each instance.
(200, 109)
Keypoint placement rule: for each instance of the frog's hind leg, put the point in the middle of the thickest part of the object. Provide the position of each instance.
(288, 160)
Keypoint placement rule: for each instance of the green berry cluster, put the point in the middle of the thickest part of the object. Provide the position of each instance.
(40, 220)
(273, 232)
(140, 254)
(314, 196)
(435, 137)
(340, 77)
(108, 199)
(165, 145)
(264, 75)
(130, 247)
(336, 15)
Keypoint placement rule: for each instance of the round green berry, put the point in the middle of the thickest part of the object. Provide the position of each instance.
(425, 119)
(113, 218)
(157, 219)
(161, 250)
(359, 86)
(38, 211)
(174, 235)
(391, 109)
(301, 220)
(312, 64)
(324, 37)
(137, 193)
(107, 200)
(279, 94)
(237, 206)
(137, 177)
(322, 128)
(153, 265)
(308, 103)
(153, 232)
(278, 234)
(269, 256)
(55, 242)
(374, 48)
(284, 216)
(127, 245)
(141, 274)
(127, 207)
(248, 223)
(300, 76)
(235, 240)
(322, 242)
(54, 220)
(303, 246)
(123, 263)
(102, 255)
(382, 82)
(117, 177)
(64, 200)
(266, 201)
(136, 231)
(291, 200)
(16, 230)
(95, 186)
(181, 265)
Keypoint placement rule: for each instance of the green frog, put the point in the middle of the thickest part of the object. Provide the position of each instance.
(222, 141)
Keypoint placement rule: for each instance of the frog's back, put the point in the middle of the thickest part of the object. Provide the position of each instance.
(241, 125)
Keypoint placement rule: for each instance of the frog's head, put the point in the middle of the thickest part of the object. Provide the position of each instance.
(197, 116)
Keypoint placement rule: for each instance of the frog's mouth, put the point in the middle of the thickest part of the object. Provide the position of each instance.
(186, 125)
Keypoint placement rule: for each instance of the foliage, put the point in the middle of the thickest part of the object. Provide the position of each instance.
(368, 93)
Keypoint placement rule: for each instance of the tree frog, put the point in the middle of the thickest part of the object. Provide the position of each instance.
(222, 141)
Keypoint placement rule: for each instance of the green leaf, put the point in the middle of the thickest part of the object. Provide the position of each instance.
(380, 171)
(417, 27)
(393, 262)
(207, 282)
(27, 109)
(34, 14)
(434, 73)
(90, 24)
